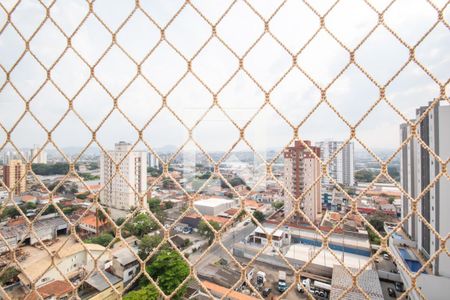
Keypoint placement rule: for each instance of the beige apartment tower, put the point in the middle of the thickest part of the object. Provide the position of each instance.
(14, 176)
(118, 195)
(301, 169)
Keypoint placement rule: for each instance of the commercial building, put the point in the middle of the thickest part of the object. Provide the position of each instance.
(341, 167)
(118, 194)
(417, 243)
(213, 206)
(46, 228)
(301, 170)
(14, 176)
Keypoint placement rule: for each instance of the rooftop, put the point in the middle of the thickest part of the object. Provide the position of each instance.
(213, 202)
(220, 290)
(55, 288)
(124, 256)
(277, 232)
(368, 281)
(13, 229)
(304, 252)
(98, 282)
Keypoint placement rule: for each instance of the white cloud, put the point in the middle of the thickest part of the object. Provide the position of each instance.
(352, 94)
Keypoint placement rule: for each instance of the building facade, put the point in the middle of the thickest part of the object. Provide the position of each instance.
(39, 157)
(152, 161)
(418, 170)
(341, 167)
(118, 195)
(14, 176)
(301, 169)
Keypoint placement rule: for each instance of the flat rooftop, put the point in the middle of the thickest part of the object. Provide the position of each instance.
(368, 281)
(304, 252)
(21, 229)
(213, 202)
(278, 232)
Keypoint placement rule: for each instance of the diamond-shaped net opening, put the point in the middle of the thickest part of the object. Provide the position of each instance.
(234, 150)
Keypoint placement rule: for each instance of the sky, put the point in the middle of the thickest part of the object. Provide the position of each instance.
(352, 94)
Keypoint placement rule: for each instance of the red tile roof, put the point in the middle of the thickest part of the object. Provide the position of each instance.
(55, 288)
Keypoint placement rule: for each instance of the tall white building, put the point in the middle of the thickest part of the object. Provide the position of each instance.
(341, 168)
(301, 169)
(118, 196)
(40, 158)
(152, 161)
(418, 170)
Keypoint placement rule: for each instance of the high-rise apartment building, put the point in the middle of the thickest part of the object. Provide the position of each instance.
(301, 169)
(341, 167)
(118, 195)
(14, 176)
(152, 161)
(39, 157)
(418, 170)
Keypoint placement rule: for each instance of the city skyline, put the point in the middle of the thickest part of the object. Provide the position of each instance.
(241, 149)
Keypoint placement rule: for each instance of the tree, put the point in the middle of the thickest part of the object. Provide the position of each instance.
(154, 172)
(168, 205)
(241, 215)
(235, 181)
(88, 176)
(148, 243)
(8, 275)
(148, 292)
(206, 231)
(30, 205)
(141, 225)
(365, 175)
(391, 200)
(394, 172)
(120, 221)
(103, 239)
(169, 269)
(204, 176)
(50, 169)
(377, 224)
(373, 237)
(277, 204)
(259, 216)
(154, 205)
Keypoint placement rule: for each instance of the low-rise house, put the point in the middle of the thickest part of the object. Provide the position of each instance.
(73, 261)
(96, 287)
(125, 264)
(55, 290)
(279, 237)
(91, 224)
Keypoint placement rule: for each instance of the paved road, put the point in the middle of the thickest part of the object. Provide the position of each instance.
(230, 237)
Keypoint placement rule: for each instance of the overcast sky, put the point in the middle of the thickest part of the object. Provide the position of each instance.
(352, 94)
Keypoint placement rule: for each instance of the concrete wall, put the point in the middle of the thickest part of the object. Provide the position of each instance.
(249, 252)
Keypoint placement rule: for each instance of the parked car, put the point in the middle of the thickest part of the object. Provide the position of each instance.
(179, 229)
(394, 271)
(223, 262)
(386, 256)
(391, 292)
(187, 230)
(399, 287)
(266, 292)
(246, 222)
